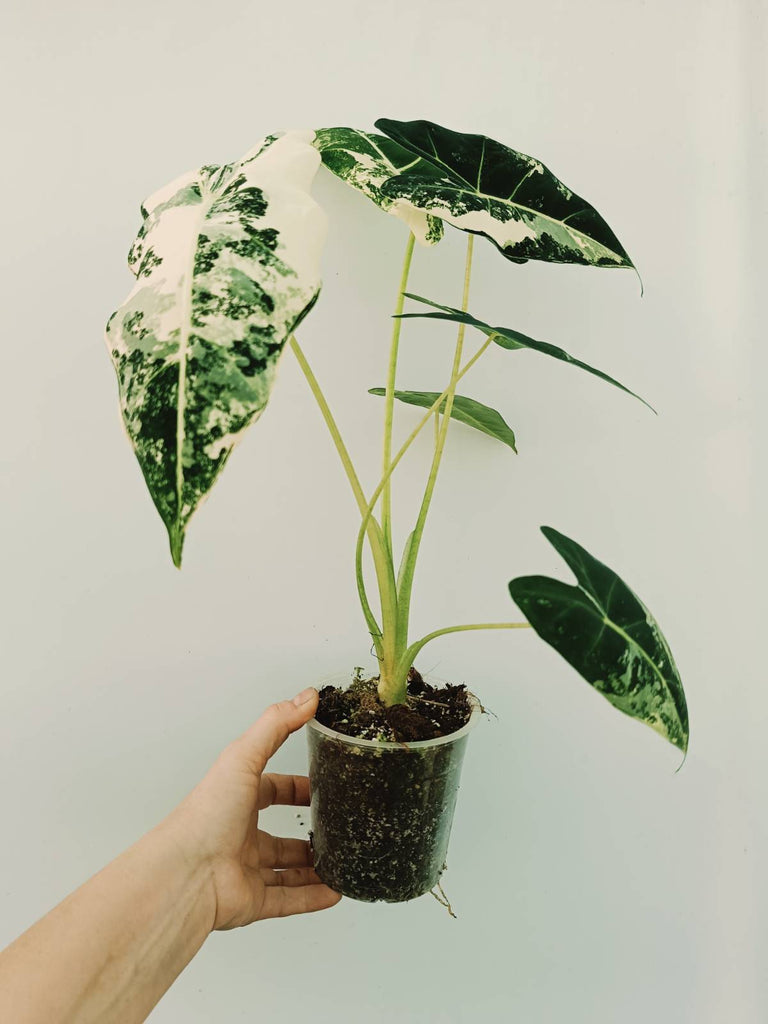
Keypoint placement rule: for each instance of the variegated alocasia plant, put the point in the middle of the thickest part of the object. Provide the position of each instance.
(226, 264)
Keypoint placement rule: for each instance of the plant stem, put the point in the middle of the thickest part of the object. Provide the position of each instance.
(389, 401)
(400, 644)
(413, 650)
(424, 420)
(383, 564)
(341, 448)
(404, 593)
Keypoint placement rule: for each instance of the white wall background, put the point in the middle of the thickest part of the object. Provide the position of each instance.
(592, 883)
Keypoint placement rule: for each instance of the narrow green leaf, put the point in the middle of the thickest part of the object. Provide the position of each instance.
(482, 186)
(510, 339)
(226, 263)
(367, 161)
(608, 635)
(465, 410)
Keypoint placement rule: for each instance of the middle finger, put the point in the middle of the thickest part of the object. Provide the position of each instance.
(281, 852)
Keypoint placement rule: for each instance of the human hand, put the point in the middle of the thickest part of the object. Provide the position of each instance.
(253, 875)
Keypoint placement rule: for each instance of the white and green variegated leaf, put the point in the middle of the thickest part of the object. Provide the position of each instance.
(508, 338)
(464, 410)
(608, 635)
(226, 264)
(484, 187)
(367, 161)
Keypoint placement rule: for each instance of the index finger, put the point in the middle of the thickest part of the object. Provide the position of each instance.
(283, 789)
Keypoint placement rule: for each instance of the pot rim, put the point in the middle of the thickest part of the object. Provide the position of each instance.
(451, 737)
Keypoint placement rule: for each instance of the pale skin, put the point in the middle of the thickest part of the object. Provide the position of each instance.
(111, 949)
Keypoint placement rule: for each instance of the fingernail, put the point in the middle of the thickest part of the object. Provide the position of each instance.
(304, 696)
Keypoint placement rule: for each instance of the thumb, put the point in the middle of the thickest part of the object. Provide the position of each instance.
(268, 733)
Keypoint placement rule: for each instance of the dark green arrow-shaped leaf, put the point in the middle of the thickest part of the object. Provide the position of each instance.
(482, 186)
(465, 410)
(508, 338)
(608, 635)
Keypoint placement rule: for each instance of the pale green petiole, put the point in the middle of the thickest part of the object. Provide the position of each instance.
(389, 400)
(411, 652)
(407, 574)
(382, 562)
(400, 644)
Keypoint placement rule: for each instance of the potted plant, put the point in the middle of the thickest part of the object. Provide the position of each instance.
(227, 266)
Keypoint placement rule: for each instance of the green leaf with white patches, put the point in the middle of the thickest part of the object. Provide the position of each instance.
(367, 161)
(608, 635)
(465, 410)
(226, 264)
(510, 339)
(482, 186)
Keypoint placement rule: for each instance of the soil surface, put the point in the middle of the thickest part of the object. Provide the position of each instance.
(429, 711)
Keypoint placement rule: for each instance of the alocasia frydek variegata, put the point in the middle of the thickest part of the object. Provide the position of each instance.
(227, 265)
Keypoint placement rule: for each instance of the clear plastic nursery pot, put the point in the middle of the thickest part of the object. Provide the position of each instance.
(382, 812)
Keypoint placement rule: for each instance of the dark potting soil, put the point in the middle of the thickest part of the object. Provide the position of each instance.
(429, 711)
(381, 816)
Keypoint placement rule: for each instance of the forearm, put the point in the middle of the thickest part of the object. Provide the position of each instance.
(111, 949)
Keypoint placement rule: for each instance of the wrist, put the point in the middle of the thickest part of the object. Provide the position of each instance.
(192, 872)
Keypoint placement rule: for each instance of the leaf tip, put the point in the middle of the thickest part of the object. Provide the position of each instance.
(639, 278)
(646, 404)
(176, 538)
